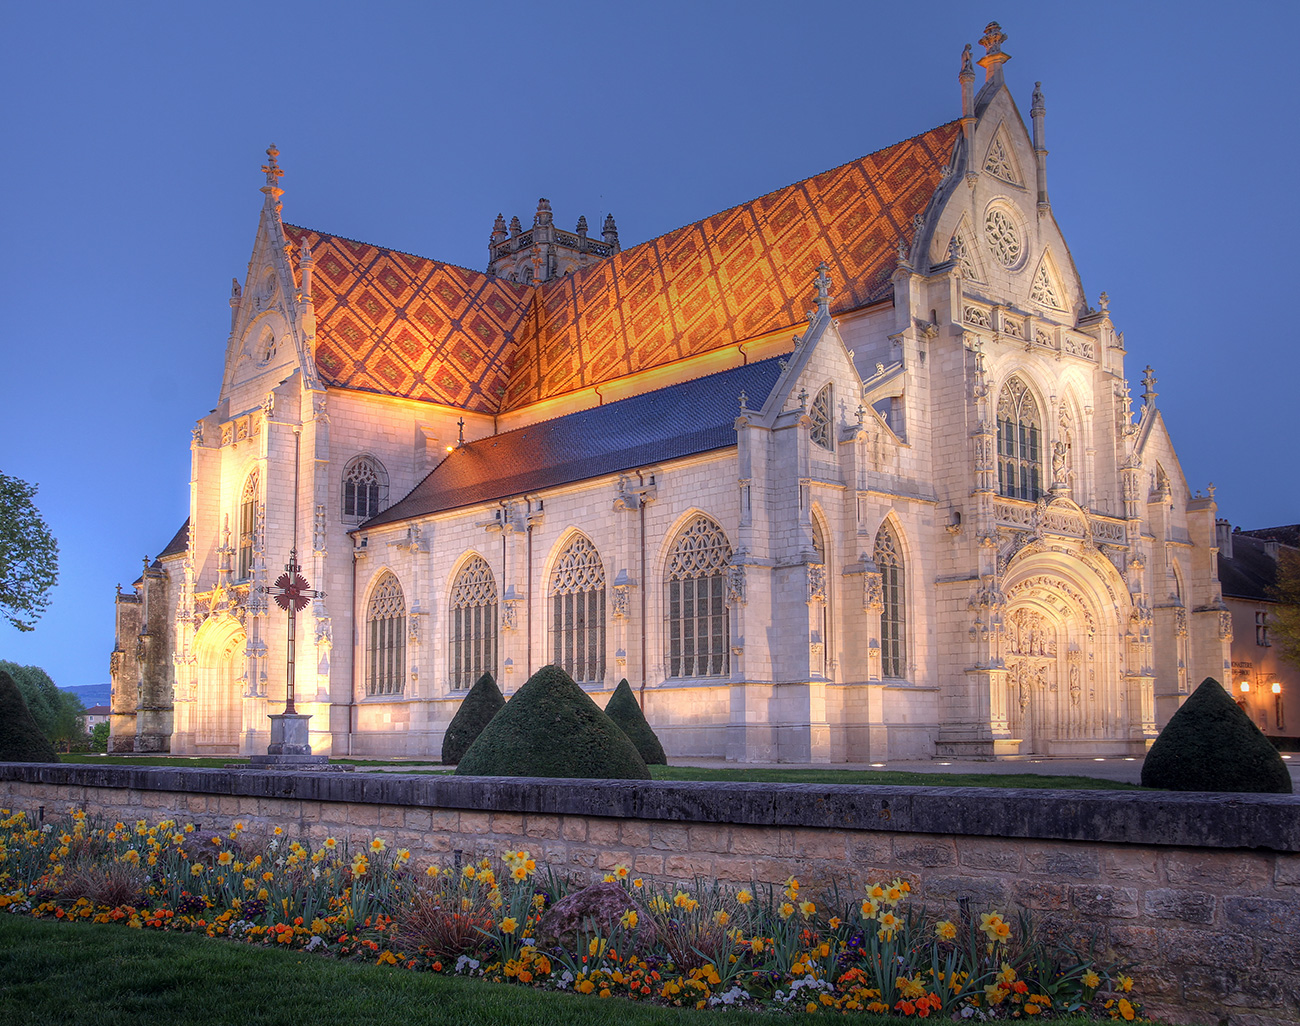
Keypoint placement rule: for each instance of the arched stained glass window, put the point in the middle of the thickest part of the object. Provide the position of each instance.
(365, 488)
(696, 616)
(578, 612)
(473, 624)
(820, 414)
(1020, 432)
(386, 639)
(247, 525)
(889, 561)
(822, 621)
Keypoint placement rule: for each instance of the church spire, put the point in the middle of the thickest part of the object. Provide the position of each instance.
(993, 58)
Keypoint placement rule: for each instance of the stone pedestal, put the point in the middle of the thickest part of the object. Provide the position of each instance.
(289, 745)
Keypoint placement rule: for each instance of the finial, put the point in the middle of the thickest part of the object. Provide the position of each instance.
(954, 250)
(543, 215)
(1149, 392)
(1210, 489)
(803, 398)
(461, 439)
(862, 414)
(1039, 107)
(993, 58)
(498, 230)
(823, 282)
(271, 169)
(966, 68)
(582, 225)
(744, 400)
(610, 231)
(235, 290)
(515, 226)
(902, 250)
(1103, 301)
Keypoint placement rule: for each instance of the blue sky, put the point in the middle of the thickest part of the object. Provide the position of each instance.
(133, 135)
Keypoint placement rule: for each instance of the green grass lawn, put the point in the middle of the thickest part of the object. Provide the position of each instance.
(75, 974)
(737, 773)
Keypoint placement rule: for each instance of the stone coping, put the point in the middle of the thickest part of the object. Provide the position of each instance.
(1166, 818)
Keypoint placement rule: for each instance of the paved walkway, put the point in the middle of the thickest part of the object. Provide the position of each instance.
(1125, 770)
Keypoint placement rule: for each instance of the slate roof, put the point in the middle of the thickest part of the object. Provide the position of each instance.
(679, 420)
(179, 543)
(408, 326)
(1251, 571)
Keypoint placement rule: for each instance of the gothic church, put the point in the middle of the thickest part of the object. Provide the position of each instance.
(850, 472)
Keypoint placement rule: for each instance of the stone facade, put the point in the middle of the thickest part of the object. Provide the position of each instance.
(947, 531)
(1197, 892)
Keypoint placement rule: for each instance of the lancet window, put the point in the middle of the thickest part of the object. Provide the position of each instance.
(578, 612)
(696, 617)
(386, 639)
(365, 489)
(889, 561)
(247, 526)
(820, 413)
(820, 584)
(473, 624)
(1020, 435)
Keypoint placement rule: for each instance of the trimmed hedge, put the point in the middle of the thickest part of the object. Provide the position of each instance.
(1210, 744)
(624, 710)
(552, 728)
(476, 711)
(21, 739)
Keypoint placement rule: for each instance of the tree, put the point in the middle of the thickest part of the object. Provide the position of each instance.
(29, 555)
(54, 711)
(99, 738)
(21, 739)
(1284, 625)
(476, 711)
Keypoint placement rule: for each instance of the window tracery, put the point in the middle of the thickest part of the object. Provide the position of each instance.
(999, 164)
(247, 523)
(1043, 291)
(1003, 237)
(1019, 442)
(889, 561)
(820, 414)
(578, 612)
(696, 614)
(473, 624)
(386, 639)
(365, 489)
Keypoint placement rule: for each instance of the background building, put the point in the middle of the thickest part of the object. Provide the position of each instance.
(1265, 686)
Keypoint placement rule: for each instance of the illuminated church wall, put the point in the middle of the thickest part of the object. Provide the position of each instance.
(941, 524)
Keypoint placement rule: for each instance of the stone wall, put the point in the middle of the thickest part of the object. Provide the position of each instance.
(1200, 892)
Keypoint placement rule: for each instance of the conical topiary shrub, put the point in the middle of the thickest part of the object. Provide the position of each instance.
(624, 710)
(476, 711)
(552, 728)
(21, 739)
(1211, 745)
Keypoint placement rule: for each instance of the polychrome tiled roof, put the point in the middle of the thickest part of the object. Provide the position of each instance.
(736, 275)
(412, 327)
(408, 326)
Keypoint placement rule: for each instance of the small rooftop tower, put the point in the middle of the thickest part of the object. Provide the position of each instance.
(544, 251)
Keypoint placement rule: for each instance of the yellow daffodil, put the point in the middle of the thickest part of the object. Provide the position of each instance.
(508, 925)
(945, 930)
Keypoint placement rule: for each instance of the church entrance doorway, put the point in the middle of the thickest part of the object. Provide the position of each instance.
(1065, 694)
(218, 725)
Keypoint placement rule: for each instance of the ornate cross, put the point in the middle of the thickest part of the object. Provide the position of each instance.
(292, 593)
(1149, 384)
(271, 169)
(823, 282)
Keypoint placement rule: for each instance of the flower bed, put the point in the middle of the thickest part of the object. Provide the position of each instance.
(703, 946)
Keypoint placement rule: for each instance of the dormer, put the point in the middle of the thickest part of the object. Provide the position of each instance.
(544, 252)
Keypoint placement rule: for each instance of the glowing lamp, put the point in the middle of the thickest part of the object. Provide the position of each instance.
(1245, 686)
(1277, 688)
